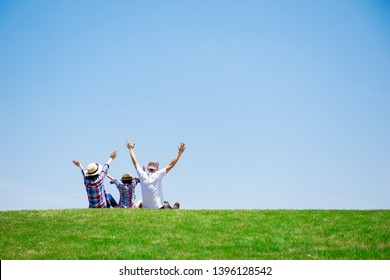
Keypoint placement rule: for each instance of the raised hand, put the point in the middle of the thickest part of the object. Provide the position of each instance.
(113, 154)
(129, 144)
(181, 148)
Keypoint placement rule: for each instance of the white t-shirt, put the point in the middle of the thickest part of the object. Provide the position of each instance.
(151, 188)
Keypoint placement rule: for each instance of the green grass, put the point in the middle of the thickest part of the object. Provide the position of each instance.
(144, 234)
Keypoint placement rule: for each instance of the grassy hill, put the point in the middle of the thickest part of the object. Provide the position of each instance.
(146, 234)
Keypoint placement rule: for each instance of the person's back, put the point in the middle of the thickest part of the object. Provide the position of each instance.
(93, 180)
(96, 192)
(151, 187)
(151, 179)
(126, 190)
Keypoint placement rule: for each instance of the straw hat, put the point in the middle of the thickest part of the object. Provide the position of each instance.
(127, 177)
(93, 169)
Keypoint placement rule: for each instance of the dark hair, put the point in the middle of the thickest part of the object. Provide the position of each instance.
(93, 178)
(127, 181)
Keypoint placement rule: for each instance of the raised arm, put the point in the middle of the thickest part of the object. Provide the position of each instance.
(173, 162)
(112, 157)
(130, 146)
(77, 163)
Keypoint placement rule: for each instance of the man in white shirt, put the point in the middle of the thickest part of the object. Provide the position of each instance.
(150, 179)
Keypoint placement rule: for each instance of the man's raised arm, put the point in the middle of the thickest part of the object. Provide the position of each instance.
(130, 146)
(173, 162)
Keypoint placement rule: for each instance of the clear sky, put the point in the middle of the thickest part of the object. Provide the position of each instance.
(282, 104)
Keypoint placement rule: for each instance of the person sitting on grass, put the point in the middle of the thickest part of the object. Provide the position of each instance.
(126, 190)
(93, 180)
(150, 180)
(166, 203)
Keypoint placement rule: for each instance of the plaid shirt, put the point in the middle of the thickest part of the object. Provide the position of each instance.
(95, 189)
(127, 193)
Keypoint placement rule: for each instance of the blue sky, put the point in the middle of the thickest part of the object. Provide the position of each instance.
(282, 104)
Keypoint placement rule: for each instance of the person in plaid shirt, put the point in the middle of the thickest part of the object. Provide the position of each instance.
(126, 190)
(93, 180)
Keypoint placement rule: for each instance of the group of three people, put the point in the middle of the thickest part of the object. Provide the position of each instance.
(150, 179)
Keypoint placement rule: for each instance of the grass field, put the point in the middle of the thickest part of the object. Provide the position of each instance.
(143, 234)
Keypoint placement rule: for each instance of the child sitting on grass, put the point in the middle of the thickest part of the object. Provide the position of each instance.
(126, 190)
